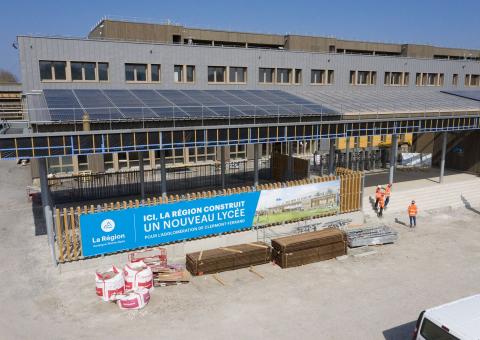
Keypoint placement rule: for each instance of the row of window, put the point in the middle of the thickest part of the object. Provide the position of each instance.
(78, 71)
(151, 73)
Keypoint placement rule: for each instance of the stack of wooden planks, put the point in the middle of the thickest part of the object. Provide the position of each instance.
(228, 258)
(297, 250)
(170, 275)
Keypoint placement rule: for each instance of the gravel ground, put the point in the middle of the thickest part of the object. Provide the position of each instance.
(372, 297)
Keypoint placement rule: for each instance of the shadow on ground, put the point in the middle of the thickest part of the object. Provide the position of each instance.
(401, 332)
(468, 206)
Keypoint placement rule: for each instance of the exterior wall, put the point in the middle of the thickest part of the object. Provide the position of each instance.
(33, 49)
(163, 33)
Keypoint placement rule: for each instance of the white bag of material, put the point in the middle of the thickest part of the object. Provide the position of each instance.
(109, 283)
(138, 275)
(135, 299)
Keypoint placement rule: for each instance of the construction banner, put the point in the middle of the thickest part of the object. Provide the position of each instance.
(117, 230)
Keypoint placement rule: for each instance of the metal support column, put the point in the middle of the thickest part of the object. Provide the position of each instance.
(255, 164)
(331, 157)
(393, 156)
(347, 153)
(163, 173)
(290, 162)
(142, 175)
(222, 165)
(444, 152)
(47, 208)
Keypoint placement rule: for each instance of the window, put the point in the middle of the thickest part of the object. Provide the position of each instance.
(83, 71)
(190, 73)
(136, 72)
(472, 80)
(266, 75)
(429, 79)
(237, 74)
(330, 77)
(184, 73)
(60, 164)
(396, 78)
(317, 77)
(82, 163)
(53, 70)
(216, 74)
(455, 79)
(103, 71)
(363, 77)
(178, 73)
(298, 76)
(321, 77)
(155, 73)
(431, 331)
(283, 75)
(108, 161)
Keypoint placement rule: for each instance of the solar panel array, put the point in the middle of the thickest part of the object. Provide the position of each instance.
(388, 101)
(70, 105)
(470, 94)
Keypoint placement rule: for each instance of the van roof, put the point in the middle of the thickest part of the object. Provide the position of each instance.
(462, 317)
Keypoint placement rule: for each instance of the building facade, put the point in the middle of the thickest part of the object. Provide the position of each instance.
(130, 56)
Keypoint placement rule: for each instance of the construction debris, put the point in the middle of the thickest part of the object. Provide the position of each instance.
(371, 236)
(228, 258)
(307, 248)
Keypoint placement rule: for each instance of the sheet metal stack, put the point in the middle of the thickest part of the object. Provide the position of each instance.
(297, 250)
(371, 236)
(228, 258)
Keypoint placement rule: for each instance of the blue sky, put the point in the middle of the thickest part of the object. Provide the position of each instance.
(436, 22)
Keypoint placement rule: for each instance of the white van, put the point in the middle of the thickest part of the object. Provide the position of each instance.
(455, 320)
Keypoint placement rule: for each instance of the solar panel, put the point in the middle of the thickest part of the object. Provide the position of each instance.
(97, 105)
(469, 94)
(129, 105)
(177, 104)
(62, 105)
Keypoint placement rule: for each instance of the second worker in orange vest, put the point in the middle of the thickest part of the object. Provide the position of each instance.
(388, 191)
(381, 205)
(412, 214)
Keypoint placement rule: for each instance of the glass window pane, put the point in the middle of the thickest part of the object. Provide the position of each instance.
(45, 70)
(129, 72)
(220, 74)
(76, 69)
(103, 71)
(177, 73)
(330, 77)
(141, 71)
(298, 76)
(59, 67)
(211, 74)
(241, 74)
(89, 69)
(155, 72)
(232, 75)
(190, 73)
(283, 75)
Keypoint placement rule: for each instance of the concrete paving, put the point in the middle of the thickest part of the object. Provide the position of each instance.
(372, 297)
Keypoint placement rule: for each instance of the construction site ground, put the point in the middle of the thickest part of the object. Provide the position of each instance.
(376, 294)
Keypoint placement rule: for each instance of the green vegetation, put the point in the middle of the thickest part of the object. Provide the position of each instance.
(291, 216)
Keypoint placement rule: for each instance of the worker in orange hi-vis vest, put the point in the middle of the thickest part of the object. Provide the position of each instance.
(381, 204)
(378, 195)
(412, 213)
(388, 191)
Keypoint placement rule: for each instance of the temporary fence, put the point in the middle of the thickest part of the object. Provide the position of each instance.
(66, 220)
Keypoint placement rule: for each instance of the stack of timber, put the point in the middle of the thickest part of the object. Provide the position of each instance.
(371, 236)
(297, 250)
(228, 258)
